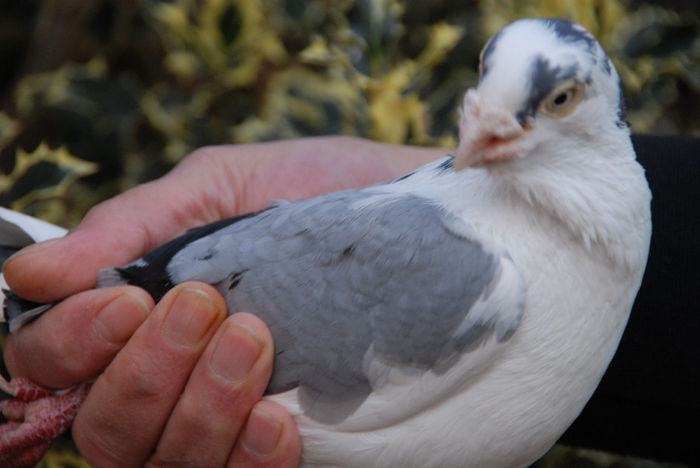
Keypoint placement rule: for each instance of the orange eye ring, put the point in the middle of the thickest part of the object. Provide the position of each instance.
(563, 99)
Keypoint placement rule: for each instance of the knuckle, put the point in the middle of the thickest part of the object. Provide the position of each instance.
(67, 362)
(95, 447)
(207, 406)
(190, 413)
(217, 198)
(229, 396)
(71, 361)
(137, 379)
(161, 460)
(201, 156)
(99, 211)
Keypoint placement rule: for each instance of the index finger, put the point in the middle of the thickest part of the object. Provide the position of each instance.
(99, 322)
(113, 233)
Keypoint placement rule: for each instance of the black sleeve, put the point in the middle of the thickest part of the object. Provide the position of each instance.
(648, 403)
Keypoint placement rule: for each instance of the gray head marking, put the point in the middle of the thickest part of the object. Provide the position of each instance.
(565, 30)
(622, 111)
(545, 77)
(486, 53)
(571, 32)
(544, 53)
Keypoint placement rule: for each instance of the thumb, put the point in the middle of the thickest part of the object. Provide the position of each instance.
(113, 233)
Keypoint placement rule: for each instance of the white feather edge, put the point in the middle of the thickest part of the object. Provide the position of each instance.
(36, 229)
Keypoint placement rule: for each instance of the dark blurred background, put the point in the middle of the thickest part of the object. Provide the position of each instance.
(98, 95)
(116, 92)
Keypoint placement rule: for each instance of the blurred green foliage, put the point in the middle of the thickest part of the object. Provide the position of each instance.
(135, 86)
(111, 94)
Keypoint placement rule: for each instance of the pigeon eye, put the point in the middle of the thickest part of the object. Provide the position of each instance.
(563, 99)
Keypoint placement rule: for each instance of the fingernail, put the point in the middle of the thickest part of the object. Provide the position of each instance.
(190, 317)
(34, 249)
(236, 351)
(120, 318)
(262, 433)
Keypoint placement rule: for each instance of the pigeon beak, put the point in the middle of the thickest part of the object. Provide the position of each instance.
(488, 135)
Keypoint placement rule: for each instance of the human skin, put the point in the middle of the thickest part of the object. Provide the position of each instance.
(161, 397)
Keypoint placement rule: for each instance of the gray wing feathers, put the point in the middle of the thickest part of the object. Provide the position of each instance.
(332, 280)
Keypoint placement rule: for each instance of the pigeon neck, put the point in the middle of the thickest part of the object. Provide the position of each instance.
(603, 202)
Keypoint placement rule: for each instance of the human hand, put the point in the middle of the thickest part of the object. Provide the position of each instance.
(154, 398)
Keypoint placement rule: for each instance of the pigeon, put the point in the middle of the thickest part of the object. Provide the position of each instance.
(462, 314)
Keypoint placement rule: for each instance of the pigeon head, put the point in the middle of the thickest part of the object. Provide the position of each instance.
(539, 79)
